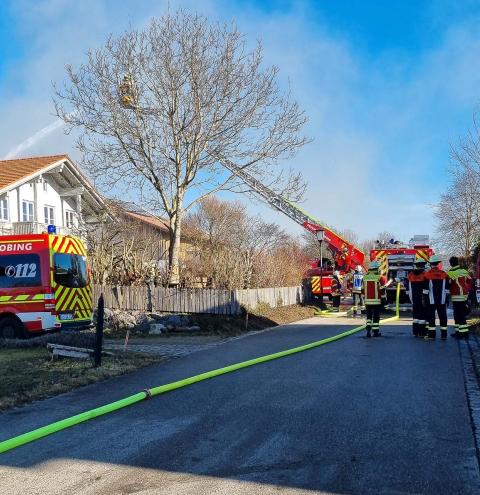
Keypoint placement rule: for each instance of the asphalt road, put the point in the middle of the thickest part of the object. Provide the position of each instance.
(358, 416)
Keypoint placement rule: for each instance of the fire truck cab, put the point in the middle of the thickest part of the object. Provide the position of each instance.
(44, 284)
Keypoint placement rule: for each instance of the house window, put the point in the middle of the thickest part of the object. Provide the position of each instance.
(69, 218)
(4, 209)
(49, 213)
(45, 185)
(27, 211)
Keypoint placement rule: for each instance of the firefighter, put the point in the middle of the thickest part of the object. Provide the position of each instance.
(373, 283)
(357, 287)
(417, 286)
(336, 291)
(437, 290)
(459, 287)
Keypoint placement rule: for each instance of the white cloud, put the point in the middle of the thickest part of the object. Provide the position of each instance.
(380, 125)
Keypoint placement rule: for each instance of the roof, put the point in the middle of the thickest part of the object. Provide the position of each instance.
(159, 223)
(12, 171)
(18, 171)
(139, 214)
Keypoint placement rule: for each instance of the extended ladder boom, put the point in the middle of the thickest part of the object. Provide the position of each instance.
(347, 256)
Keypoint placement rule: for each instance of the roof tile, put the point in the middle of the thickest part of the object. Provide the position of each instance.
(16, 169)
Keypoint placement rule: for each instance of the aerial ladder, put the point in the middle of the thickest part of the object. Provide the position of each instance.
(346, 256)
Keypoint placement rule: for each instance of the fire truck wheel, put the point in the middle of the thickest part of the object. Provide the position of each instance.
(11, 328)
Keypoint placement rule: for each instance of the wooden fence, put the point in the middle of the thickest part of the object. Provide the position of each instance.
(215, 301)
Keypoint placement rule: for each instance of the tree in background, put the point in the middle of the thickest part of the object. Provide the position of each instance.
(234, 250)
(458, 211)
(160, 109)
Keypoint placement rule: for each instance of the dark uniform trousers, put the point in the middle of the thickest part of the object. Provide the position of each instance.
(419, 317)
(441, 310)
(460, 316)
(373, 318)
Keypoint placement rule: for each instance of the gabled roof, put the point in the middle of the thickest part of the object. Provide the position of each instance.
(18, 171)
(158, 223)
(13, 171)
(139, 214)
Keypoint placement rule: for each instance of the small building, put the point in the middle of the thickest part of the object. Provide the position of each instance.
(45, 190)
(144, 225)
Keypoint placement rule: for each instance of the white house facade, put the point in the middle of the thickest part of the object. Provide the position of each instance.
(41, 191)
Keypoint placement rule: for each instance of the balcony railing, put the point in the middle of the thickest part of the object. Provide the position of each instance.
(6, 228)
(21, 228)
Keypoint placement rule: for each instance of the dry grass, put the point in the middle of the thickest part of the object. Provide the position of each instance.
(262, 317)
(285, 314)
(29, 374)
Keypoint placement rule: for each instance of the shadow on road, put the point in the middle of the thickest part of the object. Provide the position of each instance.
(385, 415)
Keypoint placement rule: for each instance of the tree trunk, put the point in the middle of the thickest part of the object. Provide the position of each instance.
(174, 248)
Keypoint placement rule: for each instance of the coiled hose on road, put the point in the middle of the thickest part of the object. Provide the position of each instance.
(44, 431)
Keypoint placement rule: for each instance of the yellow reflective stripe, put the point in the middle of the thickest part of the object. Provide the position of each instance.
(19, 302)
(61, 300)
(23, 297)
(5, 298)
(67, 302)
(38, 297)
(422, 254)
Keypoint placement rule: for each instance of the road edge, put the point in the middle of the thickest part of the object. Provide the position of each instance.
(470, 358)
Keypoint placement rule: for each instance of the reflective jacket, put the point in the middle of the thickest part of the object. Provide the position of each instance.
(438, 285)
(417, 285)
(357, 283)
(459, 283)
(373, 283)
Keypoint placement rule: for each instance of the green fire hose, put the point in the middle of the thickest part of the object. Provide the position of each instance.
(44, 431)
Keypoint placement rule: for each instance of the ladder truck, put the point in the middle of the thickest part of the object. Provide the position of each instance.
(346, 256)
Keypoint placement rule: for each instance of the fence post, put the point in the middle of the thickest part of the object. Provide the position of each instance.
(150, 297)
(99, 332)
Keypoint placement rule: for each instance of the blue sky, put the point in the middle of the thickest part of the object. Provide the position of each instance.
(388, 88)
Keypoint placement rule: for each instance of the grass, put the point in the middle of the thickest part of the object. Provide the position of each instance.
(284, 314)
(29, 374)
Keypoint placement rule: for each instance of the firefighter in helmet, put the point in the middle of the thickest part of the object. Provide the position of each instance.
(373, 283)
(417, 290)
(336, 290)
(460, 282)
(438, 288)
(357, 286)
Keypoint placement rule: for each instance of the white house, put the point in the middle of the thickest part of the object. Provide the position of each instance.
(48, 190)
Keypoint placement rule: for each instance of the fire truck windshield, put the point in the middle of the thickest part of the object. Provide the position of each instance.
(19, 270)
(70, 270)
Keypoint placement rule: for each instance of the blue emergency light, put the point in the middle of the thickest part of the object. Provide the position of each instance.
(51, 229)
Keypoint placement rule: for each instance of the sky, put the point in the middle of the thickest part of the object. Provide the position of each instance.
(388, 88)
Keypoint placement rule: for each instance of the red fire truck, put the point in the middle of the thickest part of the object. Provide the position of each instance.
(44, 284)
(396, 262)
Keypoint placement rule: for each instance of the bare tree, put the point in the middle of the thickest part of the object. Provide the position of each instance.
(235, 250)
(160, 109)
(458, 211)
(458, 214)
(124, 251)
